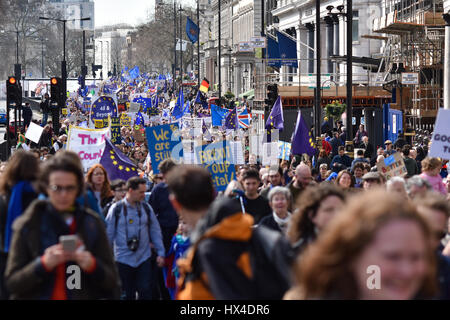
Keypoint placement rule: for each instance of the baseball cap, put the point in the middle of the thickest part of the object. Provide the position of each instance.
(388, 142)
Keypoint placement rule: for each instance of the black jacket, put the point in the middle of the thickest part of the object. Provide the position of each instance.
(39, 228)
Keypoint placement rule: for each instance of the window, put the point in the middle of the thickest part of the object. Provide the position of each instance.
(355, 26)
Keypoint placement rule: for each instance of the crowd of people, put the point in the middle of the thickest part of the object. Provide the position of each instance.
(307, 228)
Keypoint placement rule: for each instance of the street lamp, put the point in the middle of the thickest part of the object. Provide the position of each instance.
(349, 44)
(245, 75)
(230, 73)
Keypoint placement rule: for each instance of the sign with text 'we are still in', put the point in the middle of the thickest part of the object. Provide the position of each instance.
(161, 142)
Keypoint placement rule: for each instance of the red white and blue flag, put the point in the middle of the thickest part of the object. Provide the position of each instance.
(244, 119)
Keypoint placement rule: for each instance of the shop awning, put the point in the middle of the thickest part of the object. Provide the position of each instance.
(249, 94)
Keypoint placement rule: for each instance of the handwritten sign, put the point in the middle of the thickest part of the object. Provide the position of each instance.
(392, 166)
(440, 145)
(34, 132)
(88, 144)
(161, 142)
(116, 137)
(217, 158)
(125, 120)
(284, 150)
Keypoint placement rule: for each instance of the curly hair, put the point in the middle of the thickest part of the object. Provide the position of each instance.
(325, 269)
(106, 188)
(307, 206)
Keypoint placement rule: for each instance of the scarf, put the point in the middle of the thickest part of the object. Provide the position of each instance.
(282, 223)
(15, 208)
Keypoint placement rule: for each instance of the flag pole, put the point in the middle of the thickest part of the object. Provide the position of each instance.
(198, 43)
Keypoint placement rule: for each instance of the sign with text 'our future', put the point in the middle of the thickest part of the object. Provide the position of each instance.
(161, 142)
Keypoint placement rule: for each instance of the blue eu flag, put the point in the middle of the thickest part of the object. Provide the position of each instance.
(192, 30)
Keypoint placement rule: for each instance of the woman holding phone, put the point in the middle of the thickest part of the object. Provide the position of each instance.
(44, 263)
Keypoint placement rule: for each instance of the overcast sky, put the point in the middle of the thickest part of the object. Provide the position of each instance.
(134, 12)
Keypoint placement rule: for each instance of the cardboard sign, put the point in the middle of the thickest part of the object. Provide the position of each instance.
(34, 132)
(88, 144)
(125, 120)
(440, 142)
(216, 158)
(238, 154)
(393, 166)
(161, 142)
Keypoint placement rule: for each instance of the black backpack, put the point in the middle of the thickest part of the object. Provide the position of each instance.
(118, 210)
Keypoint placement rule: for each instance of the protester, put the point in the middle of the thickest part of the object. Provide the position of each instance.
(191, 193)
(279, 201)
(131, 226)
(389, 148)
(372, 180)
(359, 158)
(397, 185)
(167, 218)
(98, 183)
(323, 169)
(118, 188)
(359, 134)
(275, 178)
(302, 180)
(18, 188)
(341, 161)
(323, 158)
(38, 265)
(416, 186)
(219, 265)
(316, 207)
(410, 163)
(358, 172)
(435, 209)
(27, 115)
(375, 227)
(254, 204)
(430, 172)
(345, 181)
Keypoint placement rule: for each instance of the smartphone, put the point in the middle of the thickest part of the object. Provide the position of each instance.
(69, 242)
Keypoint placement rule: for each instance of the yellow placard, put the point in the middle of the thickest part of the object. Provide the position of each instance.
(64, 111)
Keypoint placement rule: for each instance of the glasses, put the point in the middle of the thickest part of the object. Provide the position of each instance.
(61, 189)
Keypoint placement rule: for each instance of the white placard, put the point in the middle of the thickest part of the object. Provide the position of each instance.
(34, 132)
(440, 145)
(236, 150)
(270, 154)
(88, 144)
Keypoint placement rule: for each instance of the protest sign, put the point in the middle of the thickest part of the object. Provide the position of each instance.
(440, 145)
(270, 154)
(104, 107)
(284, 150)
(134, 107)
(116, 137)
(238, 154)
(216, 157)
(64, 111)
(88, 144)
(161, 142)
(34, 132)
(125, 120)
(392, 166)
(189, 155)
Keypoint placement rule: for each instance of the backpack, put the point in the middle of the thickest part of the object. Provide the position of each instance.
(118, 210)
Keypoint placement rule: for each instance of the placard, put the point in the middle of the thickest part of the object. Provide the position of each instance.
(162, 140)
(216, 158)
(116, 136)
(34, 132)
(440, 145)
(392, 166)
(88, 144)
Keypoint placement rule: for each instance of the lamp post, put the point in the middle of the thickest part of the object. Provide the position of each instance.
(245, 76)
(349, 44)
(230, 72)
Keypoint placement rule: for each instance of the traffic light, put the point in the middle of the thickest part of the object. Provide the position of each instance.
(13, 92)
(95, 68)
(272, 94)
(56, 91)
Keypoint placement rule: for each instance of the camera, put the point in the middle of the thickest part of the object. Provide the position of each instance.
(133, 244)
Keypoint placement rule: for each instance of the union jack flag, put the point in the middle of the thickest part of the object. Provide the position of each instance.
(244, 119)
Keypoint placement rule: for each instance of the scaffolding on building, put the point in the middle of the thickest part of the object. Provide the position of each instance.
(415, 30)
